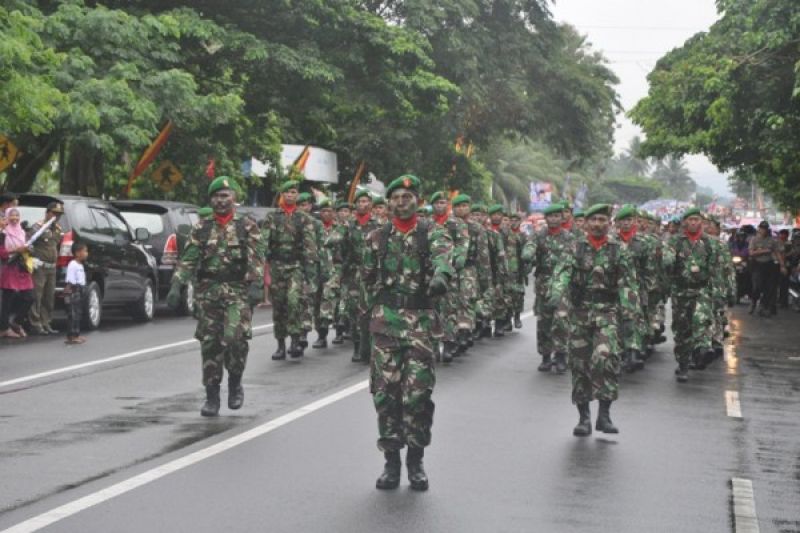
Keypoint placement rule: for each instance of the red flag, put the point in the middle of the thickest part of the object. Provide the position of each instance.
(149, 155)
(211, 169)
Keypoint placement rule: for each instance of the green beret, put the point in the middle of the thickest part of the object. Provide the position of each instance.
(205, 212)
(578, 213)
(425, 210)
(378, 200)
(515, 215)
(305, 197)
(714, 220)
(599, 209)
(344, 205)
(692, 212)
(478, 207)
(406, 181)
(222, 182)
(291, 184)
(626, 211)
(675, 220)
(361, 193)
(565, 205)
(461, 199)
(438, 195)
(553, 209)
(496, 208)
(325, 203)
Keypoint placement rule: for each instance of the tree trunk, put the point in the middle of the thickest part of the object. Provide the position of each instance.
(22, 175)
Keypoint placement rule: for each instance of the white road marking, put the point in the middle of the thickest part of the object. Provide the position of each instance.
(96, 362)
(744, 506)
(732, 403)
(794, 359)
(59, 513)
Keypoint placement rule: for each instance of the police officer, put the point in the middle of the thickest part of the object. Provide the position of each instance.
(45, 254)
(224, 257)
(766, 255)
(407, 264)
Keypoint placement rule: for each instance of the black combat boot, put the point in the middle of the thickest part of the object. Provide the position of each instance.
(390, 479)
(211, 405)
(584, 427)
(235, 392)
(682, 372)
(508, 327)
(499, 328)
(477, 333)
(322, 339)
(719, 351)
(561, 363)
(517, 320)
(546, 364)
(365, 344)
(604, 422)
(280, 353)
(448, 351)
(416, 472)
(486, 332)
(304, 340)
(295, 348)
(339, 338)
(356, 352)
(699, 359)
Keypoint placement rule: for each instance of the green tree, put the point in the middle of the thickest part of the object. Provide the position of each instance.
(675, 177)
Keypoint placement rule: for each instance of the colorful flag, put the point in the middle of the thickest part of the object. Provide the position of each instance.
(149, 155)
(211, 169)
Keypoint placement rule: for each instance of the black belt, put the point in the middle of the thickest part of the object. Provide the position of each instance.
(404, 301)
(285, 258)
(222, 277)
(600, 298)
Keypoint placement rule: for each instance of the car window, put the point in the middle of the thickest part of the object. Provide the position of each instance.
(99, 222)
(30, 214)
(153, 222)
(118, 226)
(193, 217)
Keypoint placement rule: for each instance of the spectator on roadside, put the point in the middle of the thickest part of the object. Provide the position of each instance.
(45, 254)
(16, 282)
(766, 254)
(783, 280)
(75, 284)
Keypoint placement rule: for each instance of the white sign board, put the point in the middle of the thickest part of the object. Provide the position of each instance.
(322, 165)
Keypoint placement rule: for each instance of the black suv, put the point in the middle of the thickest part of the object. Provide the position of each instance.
(120, 272)
(169, 224)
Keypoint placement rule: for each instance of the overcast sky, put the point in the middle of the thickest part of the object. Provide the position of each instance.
(633, 34)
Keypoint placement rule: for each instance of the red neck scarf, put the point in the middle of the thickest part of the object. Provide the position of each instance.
(363, 219)
(495, 227)
(518, 230)
(440, 219)
(567, 225)
(404, 226)
(289, 209)
(597, 243)
(553, 231)
(327, 224)
(694, 237)
(223, 220)
(627, 235)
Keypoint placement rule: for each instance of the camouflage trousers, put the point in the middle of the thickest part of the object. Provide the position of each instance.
(594, 354)
(635, 335)
(402, 378)
(331, 295)
(500, 300)
(469, 292)
(311, 301)
(452, 311)
(287, 294)
(720, 321)
(692, 324)
(518, 299)
(223, 329)
(551, 335)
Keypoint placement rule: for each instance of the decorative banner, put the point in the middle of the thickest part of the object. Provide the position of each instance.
(541, 196)
(149, 155)
(166, 176)
(211, 169)
(8, 153)
(356, 180)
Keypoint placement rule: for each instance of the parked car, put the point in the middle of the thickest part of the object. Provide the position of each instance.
(169, 224)
(120, 271)
(258, 213)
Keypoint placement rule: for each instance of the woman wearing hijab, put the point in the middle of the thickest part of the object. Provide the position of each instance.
(16, 282)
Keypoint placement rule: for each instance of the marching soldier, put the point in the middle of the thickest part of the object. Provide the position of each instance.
(224, 257)
(379, 209)
(342, 319)
(599, 279)
(499, 263)
(291, 242)
(517, 271)
(313, 289)
(578, 221)
(483, 326)
(451, 308)
(543, 252)
(407, 264)
(723, 292)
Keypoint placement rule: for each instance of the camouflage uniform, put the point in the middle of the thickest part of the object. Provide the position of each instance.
(313, 287)
(333, 246)
(597, 288)
(357, 300)
(451, 309)
(517, 272)
(723, 292)
(291, 244)
(475, 275)
(498, 260)
(692, 266)
(639, 247)
(220, 260)
(397, 269)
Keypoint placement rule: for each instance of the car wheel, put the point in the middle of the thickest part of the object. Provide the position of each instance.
(93, 306)
(144, 308)
(187, 300)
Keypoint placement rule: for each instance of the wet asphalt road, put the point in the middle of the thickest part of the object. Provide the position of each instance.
(503, 456)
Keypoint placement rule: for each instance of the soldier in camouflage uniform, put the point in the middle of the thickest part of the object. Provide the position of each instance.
(407, 264)
(291, 241)
(450, 309)
(313, 289)
(544, 252)
(380, 211)
(639, 247)
(483, 308)
(332, 252)
(578, 221)
(518, 272)
(599, 280)
(358, 299)
(692, 263)
(500, 275)
(341, 318)
(474, 277)
(224, 258)
(723, 292)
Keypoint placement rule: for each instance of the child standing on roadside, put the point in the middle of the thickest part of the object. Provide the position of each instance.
(73, 293)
